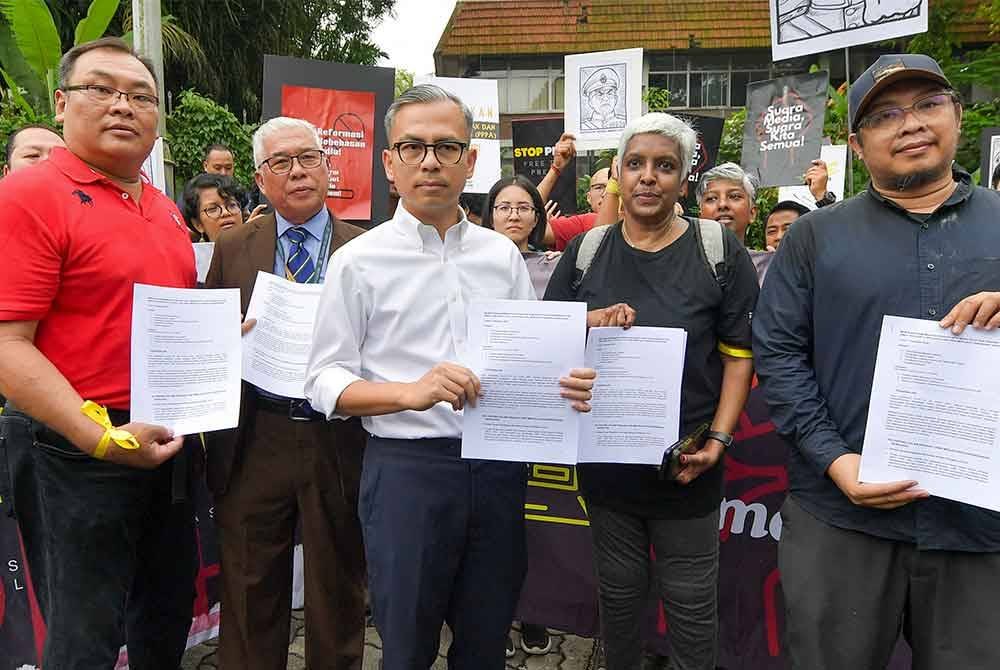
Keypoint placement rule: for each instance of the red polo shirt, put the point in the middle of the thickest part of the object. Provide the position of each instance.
(568, 227)
(73, 245)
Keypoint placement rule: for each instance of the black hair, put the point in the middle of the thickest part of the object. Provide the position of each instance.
(191, 200)
(217, 147)
(995, 177)
(68, 60)
(12, 138)
(537, 238)
(473, 203)
(787, 206)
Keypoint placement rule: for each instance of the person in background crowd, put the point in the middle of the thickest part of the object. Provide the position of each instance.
(561, 229)
(103, 505)
(514, 209)
(995, 182)
(211, 205)
(472, 205)
(726, 194)
(284, 463)
(779, 220)
(444, 536)
(28, 145)
(862, 562)
(639, 269)
(219, 160)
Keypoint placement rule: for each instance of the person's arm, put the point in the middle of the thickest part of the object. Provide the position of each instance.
(562, 153)
(817, 178)
(737, 374)
(782, 343)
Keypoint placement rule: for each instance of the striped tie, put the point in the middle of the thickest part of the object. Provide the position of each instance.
(299, 267)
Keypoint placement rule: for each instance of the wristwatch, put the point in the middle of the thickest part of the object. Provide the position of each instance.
(827, 199)
(726, 439)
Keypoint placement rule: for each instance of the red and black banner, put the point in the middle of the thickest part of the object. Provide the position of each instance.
(533, 140)
(706, 151)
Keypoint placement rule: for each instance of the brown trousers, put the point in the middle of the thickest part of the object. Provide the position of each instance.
(291, 472)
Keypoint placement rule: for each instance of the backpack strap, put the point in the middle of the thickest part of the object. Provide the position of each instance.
(712, 244)
(589, 245)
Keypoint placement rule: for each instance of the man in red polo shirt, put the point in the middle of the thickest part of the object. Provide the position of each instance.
(108, 531)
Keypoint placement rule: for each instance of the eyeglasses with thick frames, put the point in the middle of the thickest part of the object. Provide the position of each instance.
(412, 152)
(928, 108)
(310, 159)
(600, 188)
(106, 94)
(215, 211)
(506, 210)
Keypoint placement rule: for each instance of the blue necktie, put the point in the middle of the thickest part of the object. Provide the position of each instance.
(299, 267)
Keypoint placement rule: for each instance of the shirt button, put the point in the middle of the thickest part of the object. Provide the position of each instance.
(930, 266)
(125, 196)
(932, 312)
(923, 226)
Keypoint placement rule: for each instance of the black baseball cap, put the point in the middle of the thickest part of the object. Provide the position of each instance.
(886, 71)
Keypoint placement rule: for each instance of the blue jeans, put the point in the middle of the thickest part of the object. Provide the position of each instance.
(112, 558)
(444, 537)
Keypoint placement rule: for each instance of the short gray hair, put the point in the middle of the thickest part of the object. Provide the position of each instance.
(423, 94)
(670, 127)
(276, 125)
(727, 172)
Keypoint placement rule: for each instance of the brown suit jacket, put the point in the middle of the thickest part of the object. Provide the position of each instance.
(239, 254)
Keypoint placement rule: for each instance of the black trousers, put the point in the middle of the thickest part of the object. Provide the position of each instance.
(112, 558)
(849, 595)
(444, 538)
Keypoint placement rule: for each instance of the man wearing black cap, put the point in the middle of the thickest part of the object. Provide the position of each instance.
(779, 220)
(862, 562)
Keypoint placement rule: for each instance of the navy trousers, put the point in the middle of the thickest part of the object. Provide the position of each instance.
(444, 540)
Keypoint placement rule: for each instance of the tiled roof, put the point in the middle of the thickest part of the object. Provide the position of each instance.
(495, 27)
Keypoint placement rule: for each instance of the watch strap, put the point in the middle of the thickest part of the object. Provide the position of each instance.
(726, 439)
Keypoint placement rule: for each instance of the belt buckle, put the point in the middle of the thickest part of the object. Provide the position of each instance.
(299, 410)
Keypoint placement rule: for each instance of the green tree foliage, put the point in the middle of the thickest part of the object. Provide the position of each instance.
(198, 122)
(404, 81)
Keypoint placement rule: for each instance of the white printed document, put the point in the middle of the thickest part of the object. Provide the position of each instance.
(636, 408)
(276, 350)
(520, 349)
(935, 411)
(186, 358)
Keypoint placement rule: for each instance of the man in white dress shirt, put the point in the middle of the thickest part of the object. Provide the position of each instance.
(444, 537)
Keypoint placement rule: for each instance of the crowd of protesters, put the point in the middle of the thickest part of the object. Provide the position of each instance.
(369, 464)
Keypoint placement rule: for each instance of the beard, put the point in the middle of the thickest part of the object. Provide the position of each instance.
(915, 180)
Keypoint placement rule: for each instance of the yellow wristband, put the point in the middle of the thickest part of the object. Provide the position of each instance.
(122, 438)
(612, 187)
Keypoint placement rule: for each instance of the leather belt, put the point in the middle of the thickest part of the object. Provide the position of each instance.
(295, 409)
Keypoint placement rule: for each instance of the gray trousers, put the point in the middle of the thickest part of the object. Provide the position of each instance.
(849, 595)
(685, 575)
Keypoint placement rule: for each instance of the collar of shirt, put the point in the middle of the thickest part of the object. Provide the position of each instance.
(73, 167)
(314, 226)
(427, 237)
(961, 193)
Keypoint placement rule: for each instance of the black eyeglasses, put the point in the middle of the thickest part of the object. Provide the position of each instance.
(928, 108)
(506, 210)
(310, 159)
(215, 211)
(106, 94)
(411, 152)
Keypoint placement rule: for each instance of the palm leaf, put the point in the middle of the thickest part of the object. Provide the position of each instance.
(96, 22)
(34, 33)
(19, 70)
(15, 93)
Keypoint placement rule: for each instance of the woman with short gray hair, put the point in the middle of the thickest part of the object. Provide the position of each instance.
(659, 268)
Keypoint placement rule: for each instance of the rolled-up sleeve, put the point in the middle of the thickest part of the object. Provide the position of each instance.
(338, 335)
(782, 347)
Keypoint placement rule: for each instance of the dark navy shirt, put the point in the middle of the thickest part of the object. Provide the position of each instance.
(838, 271)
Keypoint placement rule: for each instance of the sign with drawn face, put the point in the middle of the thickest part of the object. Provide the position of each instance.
(989, 159)
(603, 93)
(802, 27)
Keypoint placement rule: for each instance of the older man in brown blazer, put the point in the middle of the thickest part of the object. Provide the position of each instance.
(285, 463)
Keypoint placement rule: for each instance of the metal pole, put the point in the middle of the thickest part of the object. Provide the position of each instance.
(147, 38)
(849, 167)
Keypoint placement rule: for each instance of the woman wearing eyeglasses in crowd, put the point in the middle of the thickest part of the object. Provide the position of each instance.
(515, 209)
(211, 204)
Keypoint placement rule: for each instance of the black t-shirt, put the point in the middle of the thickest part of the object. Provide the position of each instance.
(671, 288)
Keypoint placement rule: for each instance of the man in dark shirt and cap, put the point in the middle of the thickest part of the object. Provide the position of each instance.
(861, 562)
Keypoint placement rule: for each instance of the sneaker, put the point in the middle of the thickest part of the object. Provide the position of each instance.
(510, 647)
(535, 639)
(596, 660)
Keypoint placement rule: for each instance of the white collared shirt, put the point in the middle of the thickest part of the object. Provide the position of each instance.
(395, 304)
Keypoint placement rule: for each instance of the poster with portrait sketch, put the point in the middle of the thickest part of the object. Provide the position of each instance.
(482, 98)
(989, 155)
(603, 93)
(802, 27)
